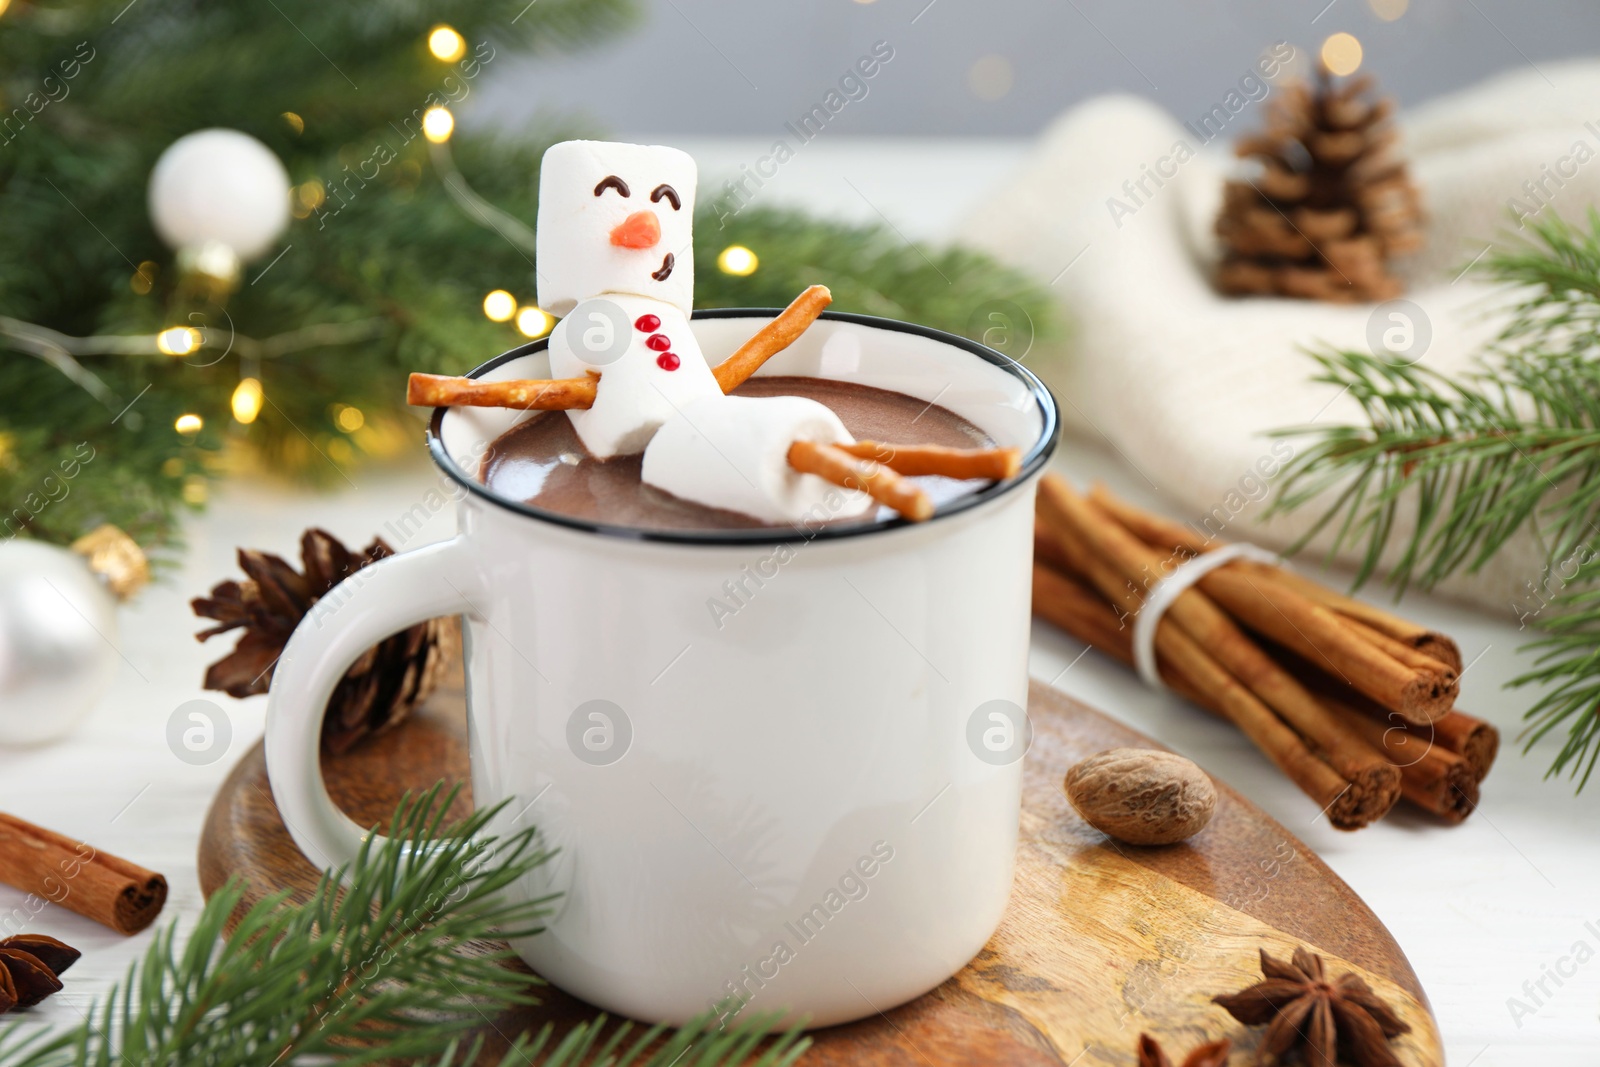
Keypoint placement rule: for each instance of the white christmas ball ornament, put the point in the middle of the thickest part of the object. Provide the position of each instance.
(219, 186)
(58, 628)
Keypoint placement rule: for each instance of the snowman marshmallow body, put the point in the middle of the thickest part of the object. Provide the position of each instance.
(649, 363)
(616, 259)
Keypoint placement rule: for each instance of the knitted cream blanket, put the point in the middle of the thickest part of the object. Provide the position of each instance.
(1114, 210)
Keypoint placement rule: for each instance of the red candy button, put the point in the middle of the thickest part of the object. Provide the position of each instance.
(647, 324)
(668, 361)
(657, 342)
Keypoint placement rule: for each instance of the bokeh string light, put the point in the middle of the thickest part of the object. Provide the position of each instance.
(534, 321)
(247, 399)
(738, 261)
(438, 124)
(499, 306)
(178, 340)
(446, 44)
(1341, 54)
(348, 418)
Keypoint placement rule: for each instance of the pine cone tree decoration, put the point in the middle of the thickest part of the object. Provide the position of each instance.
(376, 692)
(1331, 204)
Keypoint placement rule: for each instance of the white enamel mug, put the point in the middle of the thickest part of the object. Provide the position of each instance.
(781, 766)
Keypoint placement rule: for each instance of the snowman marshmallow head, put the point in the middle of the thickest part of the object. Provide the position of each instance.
(615, 218)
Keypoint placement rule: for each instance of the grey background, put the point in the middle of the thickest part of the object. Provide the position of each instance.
(716, 68)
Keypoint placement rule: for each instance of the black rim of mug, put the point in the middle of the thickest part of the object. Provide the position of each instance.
(1032, 461)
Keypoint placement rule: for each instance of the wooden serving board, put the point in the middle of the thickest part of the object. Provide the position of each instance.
(1100, 941)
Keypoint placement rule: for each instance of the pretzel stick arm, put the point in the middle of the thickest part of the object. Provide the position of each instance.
(772, 338)
(877, 481)
(996, 464)
(560, 394)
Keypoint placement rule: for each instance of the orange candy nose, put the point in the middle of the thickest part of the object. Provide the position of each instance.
(640, 230)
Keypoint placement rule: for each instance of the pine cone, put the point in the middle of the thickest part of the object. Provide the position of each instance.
(1330, 204)
(376, 692)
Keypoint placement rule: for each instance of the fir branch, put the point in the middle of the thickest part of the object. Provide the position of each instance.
(1567, 667)
(1557, 272)
(376, 969)
(1512, 445)
(1474, 460)
(583, 1045)
(871, 269)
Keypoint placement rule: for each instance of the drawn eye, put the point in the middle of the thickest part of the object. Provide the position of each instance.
(669, 193)
(611, 181)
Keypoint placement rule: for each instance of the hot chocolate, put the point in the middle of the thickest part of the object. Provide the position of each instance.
(541, 462)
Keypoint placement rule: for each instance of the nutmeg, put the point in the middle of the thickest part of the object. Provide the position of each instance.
(1141, 796)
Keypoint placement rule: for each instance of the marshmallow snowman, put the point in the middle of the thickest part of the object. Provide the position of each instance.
(616, 258)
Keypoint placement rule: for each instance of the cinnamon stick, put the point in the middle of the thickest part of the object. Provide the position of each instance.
(1075, 559)
(1374, 781)
(877, 481)
(995, 464)
(99, 886)
(558, 394)
(1470, 737)
(1071, 606)
(1421, 692)
(1431, 776)
(1047, 549)
(1410, 655)
(1166, 533)
(772, 338)
(1153, 529)
(1473, 739)
(1066, 602)
(1430, 643)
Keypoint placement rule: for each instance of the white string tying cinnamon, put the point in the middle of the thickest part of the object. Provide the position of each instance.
(1161, 596)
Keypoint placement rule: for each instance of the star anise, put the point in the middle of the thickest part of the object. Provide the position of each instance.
(1301, 1008)
(1151, 1054)
(376, 692)
(29, 966)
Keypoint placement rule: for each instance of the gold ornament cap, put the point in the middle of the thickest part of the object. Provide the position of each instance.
(116, 558)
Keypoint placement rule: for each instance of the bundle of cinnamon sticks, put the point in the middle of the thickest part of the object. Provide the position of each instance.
(1355, 705)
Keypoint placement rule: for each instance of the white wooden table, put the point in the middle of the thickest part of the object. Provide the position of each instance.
(1480, 909)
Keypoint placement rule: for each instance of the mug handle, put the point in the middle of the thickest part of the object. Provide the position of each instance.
(374, 602)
